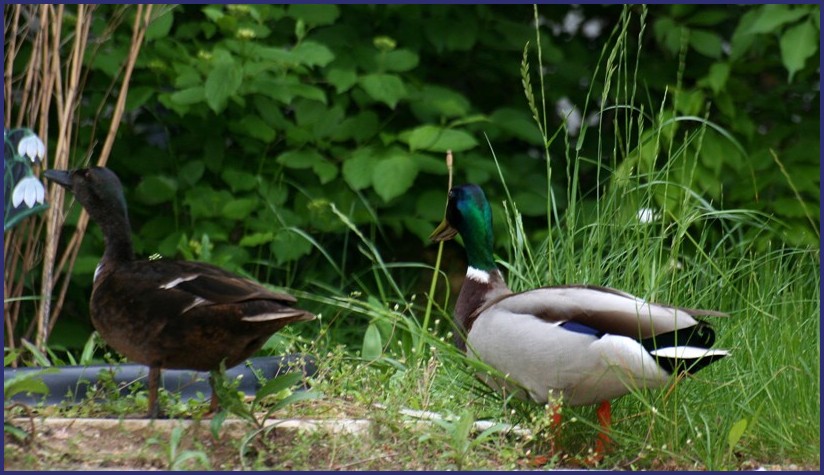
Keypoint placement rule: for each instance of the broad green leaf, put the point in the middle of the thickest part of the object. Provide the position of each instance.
(342, 79)
(307, 91)
(771, 17)
(255, 127)
(256, 239)
(312, 54)
(160, 26)
(432, 103)
(357, 170)
(438, 139)
(189, 96)
(289, 246)
(278, 384)
(372, 344)
(239, 208)
(239, 180)
(300, 158)
(325, 170)
(360, 128)
(797, 44)
(223, 81)
(156, 189)
(706, 43)
(393, 176)
(27, 382)
(274, 54)
(191, 172)
(314, 14)
(708, 16)
(399, 60)
(717, 76)
(138, 96)
(668, 34)
(386, 88)
(205, 202)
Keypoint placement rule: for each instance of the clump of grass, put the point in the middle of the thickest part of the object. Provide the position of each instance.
(762, 402)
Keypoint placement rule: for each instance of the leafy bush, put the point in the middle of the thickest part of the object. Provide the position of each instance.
(244, 124)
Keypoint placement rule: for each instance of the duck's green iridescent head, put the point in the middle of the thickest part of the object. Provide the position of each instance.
(468, 213)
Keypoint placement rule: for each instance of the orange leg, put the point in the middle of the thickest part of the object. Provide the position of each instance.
(605, 420)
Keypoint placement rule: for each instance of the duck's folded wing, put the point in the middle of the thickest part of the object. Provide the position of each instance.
(180, 287)
(600, 308)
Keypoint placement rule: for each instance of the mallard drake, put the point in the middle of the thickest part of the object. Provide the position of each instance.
(584, 344)
(168, 313)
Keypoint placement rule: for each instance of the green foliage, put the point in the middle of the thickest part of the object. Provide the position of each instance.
(250, 128)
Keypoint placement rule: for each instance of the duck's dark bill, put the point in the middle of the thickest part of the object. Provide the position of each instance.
(60, 177)
(443, 232)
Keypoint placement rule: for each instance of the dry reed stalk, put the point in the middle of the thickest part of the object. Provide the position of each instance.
(141, 22)
(51, 83)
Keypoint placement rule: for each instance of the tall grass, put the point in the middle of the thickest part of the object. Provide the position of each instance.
(760, 405)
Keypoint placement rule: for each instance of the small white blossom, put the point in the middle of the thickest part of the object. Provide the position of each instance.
(31, 147)
(572, 21)
(30, 190)
(647, 215)
(592, 28)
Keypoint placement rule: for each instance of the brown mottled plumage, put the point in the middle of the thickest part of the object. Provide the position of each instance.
(168, 313)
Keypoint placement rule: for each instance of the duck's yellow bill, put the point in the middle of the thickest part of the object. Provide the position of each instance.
(443, 232)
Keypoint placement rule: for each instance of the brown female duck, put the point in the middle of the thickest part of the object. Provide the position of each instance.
(167, 313)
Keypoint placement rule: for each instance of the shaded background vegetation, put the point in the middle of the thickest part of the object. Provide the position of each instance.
(244, 124)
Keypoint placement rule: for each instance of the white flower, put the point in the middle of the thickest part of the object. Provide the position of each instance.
(29, 190)
(592, 28)
(31, 147)
(572, 21)
(647, 215)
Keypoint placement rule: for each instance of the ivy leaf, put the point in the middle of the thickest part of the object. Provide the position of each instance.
(386, 88)
(393, 176)
(439, 139)
(797, 44)
(223, 81)
(357, 170)
(156, 189)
